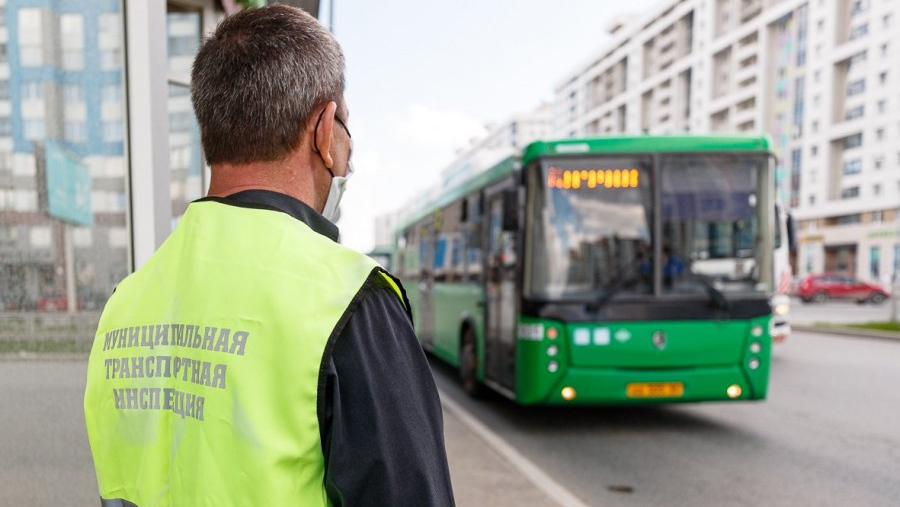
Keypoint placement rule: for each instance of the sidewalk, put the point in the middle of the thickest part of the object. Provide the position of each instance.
(486, 471)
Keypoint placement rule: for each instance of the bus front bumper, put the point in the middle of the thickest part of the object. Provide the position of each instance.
(592, 386)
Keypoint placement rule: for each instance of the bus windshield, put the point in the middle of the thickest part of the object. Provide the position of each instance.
(591, 228)
(592, 232)
(712, 217)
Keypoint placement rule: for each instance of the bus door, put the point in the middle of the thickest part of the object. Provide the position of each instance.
(426, 286)
(501, 268)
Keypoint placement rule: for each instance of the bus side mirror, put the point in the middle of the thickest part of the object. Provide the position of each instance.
(791, 234)
(511, 209)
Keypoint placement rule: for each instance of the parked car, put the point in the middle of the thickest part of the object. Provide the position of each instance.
(55, 303)
(821, 287)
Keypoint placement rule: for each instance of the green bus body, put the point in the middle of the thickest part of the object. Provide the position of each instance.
(627, 347)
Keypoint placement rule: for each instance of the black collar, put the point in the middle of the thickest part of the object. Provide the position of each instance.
(267, 199)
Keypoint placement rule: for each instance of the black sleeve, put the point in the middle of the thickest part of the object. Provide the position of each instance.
(381, 420)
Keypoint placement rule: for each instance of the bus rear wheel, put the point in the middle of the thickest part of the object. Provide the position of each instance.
(468, 364)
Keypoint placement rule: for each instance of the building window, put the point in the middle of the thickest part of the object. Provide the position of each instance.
(882, 78)
(855, 112)
(856, 87)
(31, 49)
(878, 162)
(859, 31)
(76, 131)
(112, 131)
(71, 28)
(853, 141)
(876, 189)
(35, 129)
(858, 7)
(73, 93)
(877, 216)
(112, 93)
(848, 219)
(896, 262)
(879, 134)
(875, 262)
(110, 59)
(850, 193)
(852, 166)
(882, 106)
(33, 90)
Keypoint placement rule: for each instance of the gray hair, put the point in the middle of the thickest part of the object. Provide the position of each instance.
(257, 80)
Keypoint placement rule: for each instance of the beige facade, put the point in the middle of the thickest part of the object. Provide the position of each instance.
(819, 76)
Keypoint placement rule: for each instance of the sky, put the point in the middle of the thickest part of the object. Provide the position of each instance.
(424, 78)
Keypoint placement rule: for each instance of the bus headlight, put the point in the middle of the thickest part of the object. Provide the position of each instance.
(756, 331)
(553, 366)
(781, 305)
(734, 391)
(755, 347)
(754, 363)
(568, 393)
(552, 350)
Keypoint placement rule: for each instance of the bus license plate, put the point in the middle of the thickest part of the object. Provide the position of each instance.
(655, 390)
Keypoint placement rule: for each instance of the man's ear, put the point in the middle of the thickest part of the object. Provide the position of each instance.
(323, 134)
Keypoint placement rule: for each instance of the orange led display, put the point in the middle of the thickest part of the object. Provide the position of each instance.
(592, 178)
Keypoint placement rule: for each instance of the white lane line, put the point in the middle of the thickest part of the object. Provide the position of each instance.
(528, 469)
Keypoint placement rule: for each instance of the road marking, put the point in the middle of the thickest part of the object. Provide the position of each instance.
(528, 469)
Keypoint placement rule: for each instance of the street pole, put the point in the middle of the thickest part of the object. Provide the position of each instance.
(69, 253)
(895, 299)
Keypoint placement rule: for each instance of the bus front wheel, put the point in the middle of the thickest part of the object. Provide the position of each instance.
(468, 364)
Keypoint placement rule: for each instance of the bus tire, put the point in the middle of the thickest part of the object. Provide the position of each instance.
(468, 364)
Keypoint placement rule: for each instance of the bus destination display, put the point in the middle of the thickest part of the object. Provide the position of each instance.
(592, 178)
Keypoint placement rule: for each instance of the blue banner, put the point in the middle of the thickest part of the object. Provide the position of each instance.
(68, 186)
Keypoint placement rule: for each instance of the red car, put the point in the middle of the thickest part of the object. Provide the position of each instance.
(821, 287)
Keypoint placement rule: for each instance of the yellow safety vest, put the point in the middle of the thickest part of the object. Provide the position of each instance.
(203, 381)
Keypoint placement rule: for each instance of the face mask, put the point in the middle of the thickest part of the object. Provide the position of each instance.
(332, 211)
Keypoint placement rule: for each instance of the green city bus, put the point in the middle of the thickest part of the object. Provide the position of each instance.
(613, 270)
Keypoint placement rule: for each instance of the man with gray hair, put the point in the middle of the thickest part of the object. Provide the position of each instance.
(253, 360)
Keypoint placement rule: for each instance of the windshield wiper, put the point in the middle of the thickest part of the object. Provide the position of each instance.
(613, 287)
(716, 297)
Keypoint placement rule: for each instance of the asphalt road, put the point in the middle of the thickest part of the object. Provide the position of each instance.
(828, 435)
(45, 460)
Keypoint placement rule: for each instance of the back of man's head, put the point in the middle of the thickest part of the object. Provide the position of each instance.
(258, 78)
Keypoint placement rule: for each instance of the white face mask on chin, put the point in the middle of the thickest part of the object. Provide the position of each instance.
(332, 211)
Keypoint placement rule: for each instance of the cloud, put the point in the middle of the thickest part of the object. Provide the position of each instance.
(397, 160)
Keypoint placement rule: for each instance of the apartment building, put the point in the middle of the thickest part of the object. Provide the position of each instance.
(821, 77)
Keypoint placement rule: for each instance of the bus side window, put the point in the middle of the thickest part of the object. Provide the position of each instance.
(472, 232)
(400, 249)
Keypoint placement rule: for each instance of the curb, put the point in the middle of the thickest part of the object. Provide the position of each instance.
(44, 356)
(848, 331)
(523, 465)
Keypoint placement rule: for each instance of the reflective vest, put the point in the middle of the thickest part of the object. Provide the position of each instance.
(203, 380)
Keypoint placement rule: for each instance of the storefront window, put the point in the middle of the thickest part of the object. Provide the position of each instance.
(63, 152)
